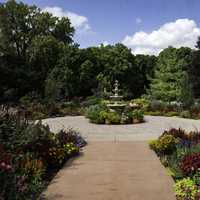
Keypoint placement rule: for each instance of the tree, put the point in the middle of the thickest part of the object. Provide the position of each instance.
(169, 76)
(186, 96)
(27, 32)
(67, 71)
(117, 62)
(194, 73)
(146, 65)
(198, 43)
(44, 53)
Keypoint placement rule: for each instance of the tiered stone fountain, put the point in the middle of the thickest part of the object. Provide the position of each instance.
(115, 103)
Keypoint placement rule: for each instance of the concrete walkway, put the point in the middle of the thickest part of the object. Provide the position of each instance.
(151, 129)
(116, 164)
(113, 171)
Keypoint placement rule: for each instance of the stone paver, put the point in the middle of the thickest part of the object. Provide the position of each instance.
(113, 171)
(151, 129)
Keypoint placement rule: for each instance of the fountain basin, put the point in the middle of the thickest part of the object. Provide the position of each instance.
(116, 98)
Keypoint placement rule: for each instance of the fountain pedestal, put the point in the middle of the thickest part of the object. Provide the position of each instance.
(116, 104)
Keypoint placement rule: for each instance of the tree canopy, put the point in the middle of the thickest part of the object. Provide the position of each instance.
(38, 54)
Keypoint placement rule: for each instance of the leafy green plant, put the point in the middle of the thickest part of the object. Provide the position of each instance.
(185, 114)
(164, 145)
(172, 114)
(186, 189)
(142, 103)
(190, 164)
(113, 117)
(93, 113)
(34, 153)
(154, 113)
(177, 133)
(156, 105)
(196, 178)
(91, 100)
(138, 115)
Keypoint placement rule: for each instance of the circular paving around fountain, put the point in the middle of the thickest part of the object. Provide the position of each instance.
(150, 129)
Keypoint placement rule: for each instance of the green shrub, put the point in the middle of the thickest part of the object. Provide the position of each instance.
(138, 115)
(185, 114)
(172, 114)
(156, 105)
(154, 113)
(113, 117)
(186, 189)
(38, 115)
(172, 164)
(164, 145)
(91, 100)
(25, 100)
(177, 133)
(103, 115)
(93, 113)
(142, 103)
(72, 111)
(190, 164)
(153, 144)
(29, 155)
(196, 178)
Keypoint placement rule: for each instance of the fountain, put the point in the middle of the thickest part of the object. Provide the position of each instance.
(116, 103)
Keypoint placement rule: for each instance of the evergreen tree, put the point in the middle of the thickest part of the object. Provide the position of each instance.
(169, 76)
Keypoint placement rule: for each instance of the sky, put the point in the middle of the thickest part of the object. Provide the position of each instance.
(145, 26)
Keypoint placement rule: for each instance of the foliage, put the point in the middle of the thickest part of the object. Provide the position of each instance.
(100, 114)
(172, 114)
(186, 189)
(196, 178)
(94, 113)
(190, 163)
(177, 133)
(185, 114)
(113, 118)
(138, 115)
(164, 145)
(30, 44)
(39, 47)
(156, 105)
(70, 136)
(141, 103)
(183, 163)
(51, 90)
(29, 154)
(170, 76)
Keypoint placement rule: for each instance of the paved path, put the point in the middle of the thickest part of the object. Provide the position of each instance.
(117, 164)
(151, 129)
(113, 171)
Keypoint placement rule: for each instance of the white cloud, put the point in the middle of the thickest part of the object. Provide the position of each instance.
(79, 22)
(104, 43)
(182, 32)
(138, 20)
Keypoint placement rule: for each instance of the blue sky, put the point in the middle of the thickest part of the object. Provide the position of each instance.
(112, 21)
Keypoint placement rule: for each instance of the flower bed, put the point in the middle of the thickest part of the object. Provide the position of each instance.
(168, 109)
(100, 114)
(179, 152)
(30, 154)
